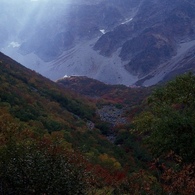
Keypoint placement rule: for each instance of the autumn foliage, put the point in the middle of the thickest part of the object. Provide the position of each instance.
(52, 140)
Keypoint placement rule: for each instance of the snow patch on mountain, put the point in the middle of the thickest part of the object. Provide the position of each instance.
(127, 21)
(103, 31)
(14, 44)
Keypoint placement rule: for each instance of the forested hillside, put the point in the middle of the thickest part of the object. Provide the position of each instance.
(47, 132)
(56, 141)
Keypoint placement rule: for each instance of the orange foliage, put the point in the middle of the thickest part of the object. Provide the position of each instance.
(181, 181)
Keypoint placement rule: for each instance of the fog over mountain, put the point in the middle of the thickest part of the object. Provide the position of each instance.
(114, 41)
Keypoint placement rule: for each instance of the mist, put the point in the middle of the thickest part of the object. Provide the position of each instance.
(20, 19)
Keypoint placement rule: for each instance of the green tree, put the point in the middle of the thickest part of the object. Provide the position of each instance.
(33, 164)
(169, 122)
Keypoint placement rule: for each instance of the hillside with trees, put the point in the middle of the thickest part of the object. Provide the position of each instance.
(54, 140)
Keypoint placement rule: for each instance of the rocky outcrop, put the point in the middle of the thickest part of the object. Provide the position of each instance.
(112, 115)
(146, 51)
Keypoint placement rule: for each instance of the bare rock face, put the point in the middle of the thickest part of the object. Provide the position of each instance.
(153, 35)
(117, 42)
(146, 51)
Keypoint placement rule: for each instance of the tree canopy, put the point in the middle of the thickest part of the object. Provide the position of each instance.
(168, 122)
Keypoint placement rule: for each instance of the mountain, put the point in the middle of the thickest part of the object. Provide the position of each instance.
(155, 43)
(139, 42)
(54, 139)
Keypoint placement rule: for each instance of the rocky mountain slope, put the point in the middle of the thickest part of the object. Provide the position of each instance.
(117, 42)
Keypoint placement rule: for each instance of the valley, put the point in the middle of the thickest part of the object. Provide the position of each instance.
(97, 97)
(87, 137)
(45, 118)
